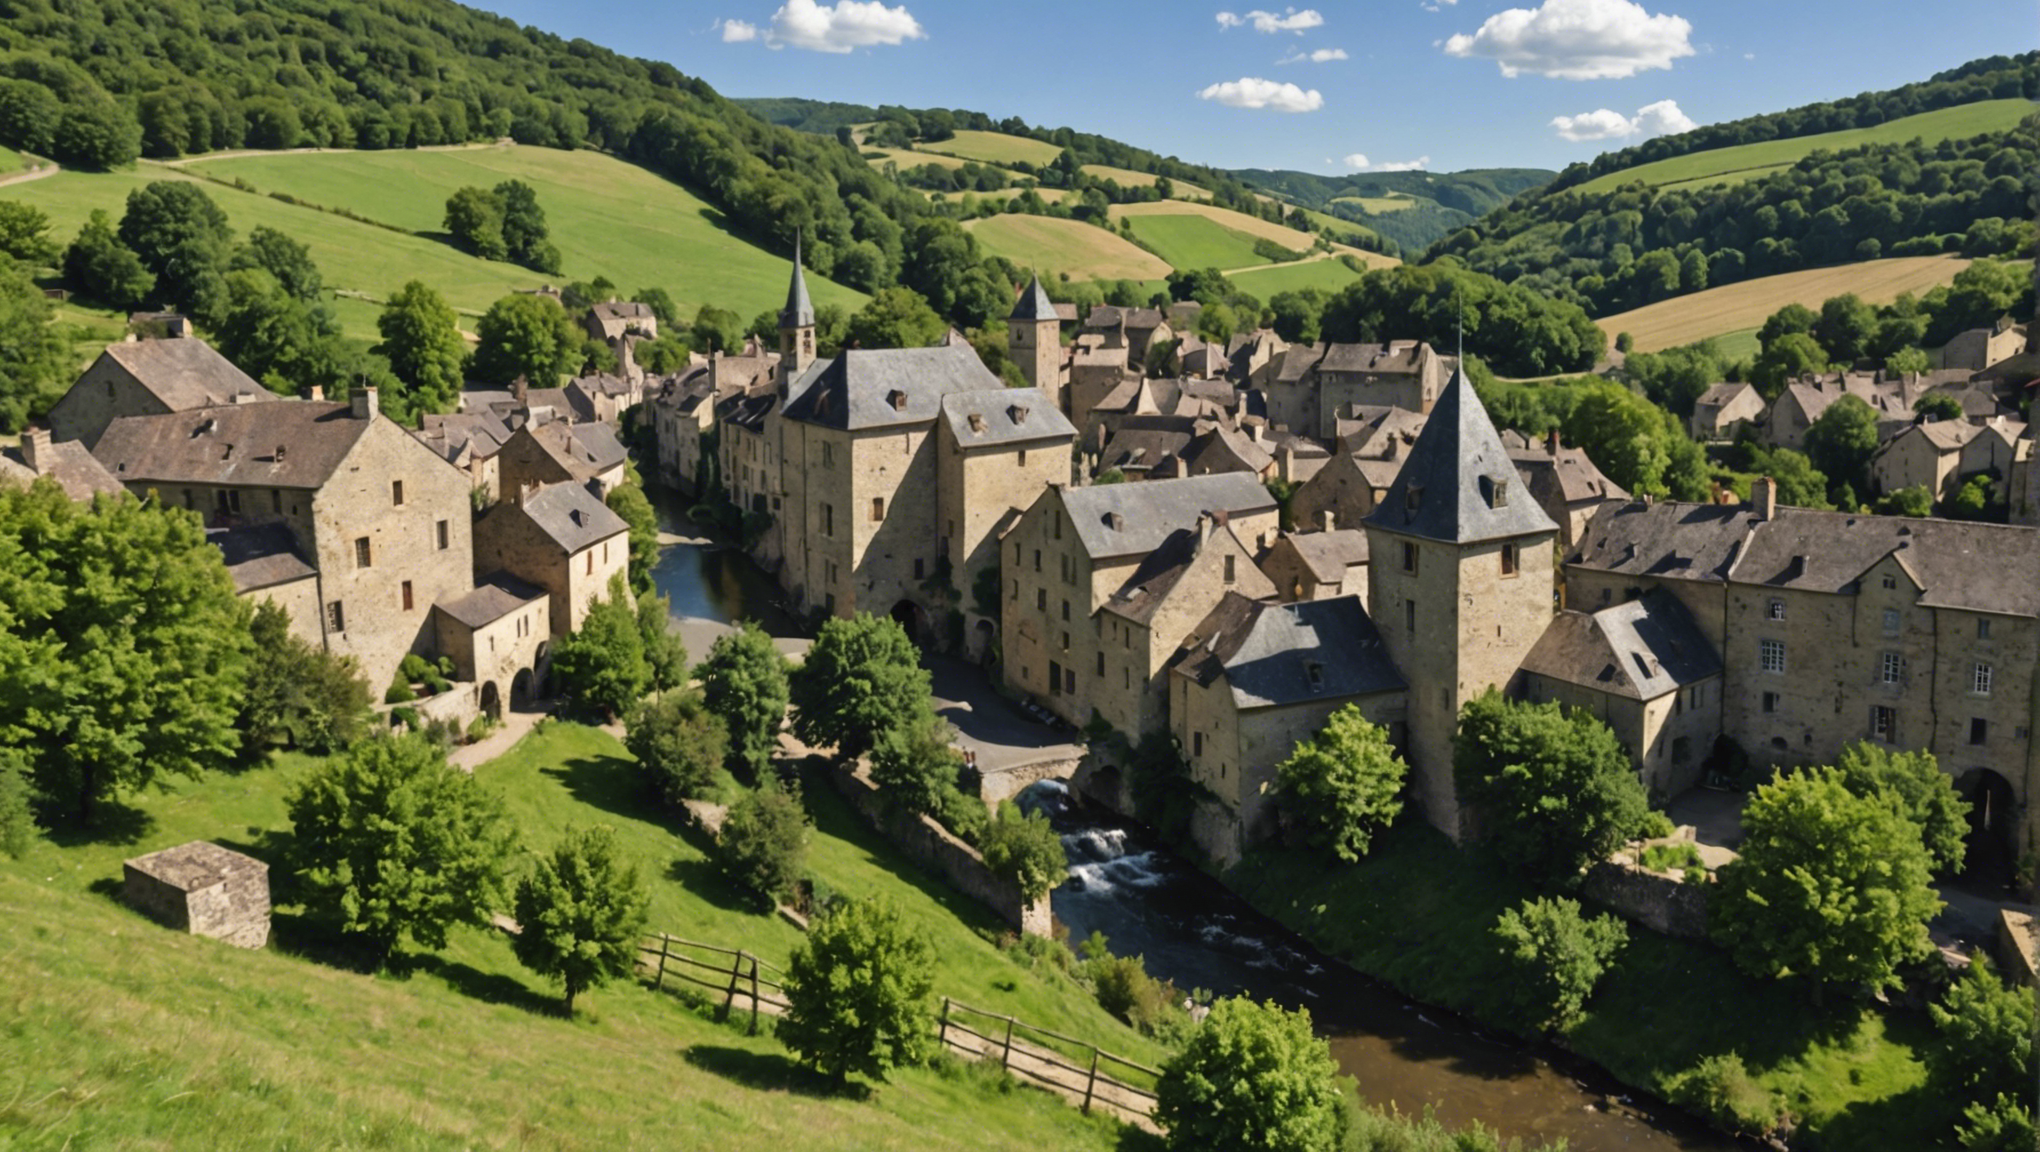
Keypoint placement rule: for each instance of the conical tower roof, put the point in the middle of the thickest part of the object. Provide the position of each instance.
(1034, 304)
(1459, 484)
(800, 310)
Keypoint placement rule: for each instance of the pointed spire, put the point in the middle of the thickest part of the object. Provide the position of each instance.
(1459, 484)
(1034, 304)
(799, 311)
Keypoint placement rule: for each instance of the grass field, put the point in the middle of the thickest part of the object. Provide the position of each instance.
(11, 161)
(122, 1034)
(1192, 241)
(1252, 226)
(996, 148)
(1084, 251)
(1959, 122)
(1328, 274)
(1128, 178)
(1719, 311)
(1378, 204)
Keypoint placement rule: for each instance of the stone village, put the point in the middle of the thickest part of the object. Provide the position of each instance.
(1107, 544)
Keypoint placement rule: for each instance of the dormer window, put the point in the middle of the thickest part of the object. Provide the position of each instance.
(1496, 490)
(897, 399)
(977, 423)
(1777, 610)
(1412, 497)
(1316, 672)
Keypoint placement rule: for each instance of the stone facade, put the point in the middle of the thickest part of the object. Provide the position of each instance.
(498, 637)
(203, 889)
(149, 378)
(560, 539)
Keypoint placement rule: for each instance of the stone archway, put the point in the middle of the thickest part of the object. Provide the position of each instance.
(1993, 842)
(492, 700)
(984, 644)
(914, 619)
(521, 690)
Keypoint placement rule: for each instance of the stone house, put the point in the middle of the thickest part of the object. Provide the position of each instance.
(1096, 372)
(1348, 487)
(1566, 484)
(561, 453)
(469, 442)
(1221, 449)
(1103, 578)
(1404, 374)
(149, 378)
(1996, 450)
(684, 407)
(1319, 565)
(1034, 342)
(265, 564)
(604, 398)
(1144, 446)
(383, 519)
(1724, 410)
(1924, 454)
(1643, 668)
(1134, 329)
(1258, 680)
(1978, 348)
(621, 324)
(1252, 356)
(996, 452)
(1377, 431)
(203, 889)
(1804, 401)
(499, 637)
(76, 470)
(561, 538)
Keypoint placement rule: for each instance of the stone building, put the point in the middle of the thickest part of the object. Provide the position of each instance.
(265, 563)
(1979, 348)
(1260, 679)
(1034, 342)
(1566, 484)
(149, 378)
(560, 538)
(684, 407)
(1348, 487)
(1926, 455)
(76, 471)
(203, 889)
(383, 519)
(603, 398)
(499, 637)
(1134, 329)
(561, 453)
(470, 442)
(1726, 409)
(1319, 565)
(1315, 382)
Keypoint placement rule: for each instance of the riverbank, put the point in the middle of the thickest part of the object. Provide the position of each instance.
(1416, 914)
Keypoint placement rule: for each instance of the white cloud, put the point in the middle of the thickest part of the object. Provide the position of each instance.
(738, 31)
(1290, 20)
(1436, 5)
(1358, 163)
(1578, 40)
(1254, 92)
(1660, 119)
(1321, 56)
(844, 27)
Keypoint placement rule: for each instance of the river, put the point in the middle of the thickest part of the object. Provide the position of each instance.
(1194, 932)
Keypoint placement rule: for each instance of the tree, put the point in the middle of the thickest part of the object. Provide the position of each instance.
(628, 502)
(98, 133)
(280, 339)
(299, 694)
(895, 318)
(34, 364)
(862, 678)
(1021, 848)
(744, 681)
(1799, 484)
(526, 335)
(1830, 886)
(101, 268)
(525, 234)
(661, 303)
(396, 845)
(1842, 440)
(1985, 1044)
(25, 234)
(2004, 1125)
(1935, 406)
(283, 258)
(857, 992)
(1625, 436)
(1784, 360)
(602, 665)
(474, 218)
(1908, 361)
(580, 913)
(762, 847)
(1916, 500)
(914, 764)
(182, 237)
(1253, 1076)
(123, 649)
(1554, 788)
(716, 330)
(1555, 956)
(1927, 794)
(17, 818)
(665, 651)
(679, 743)
(1846, 328)
(1343, 784)
(421, 340)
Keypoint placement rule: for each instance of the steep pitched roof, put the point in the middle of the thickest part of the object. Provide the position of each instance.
(1004, 416)
(1570, 476)
(569, 514)
(186, 373)
(1142, 442)
(1686, 541)
(288, 444)
(880, 387)
(1114, 520)
(1639, 649)
(77, 471)
(1718, 395)
(1455, 485)
(1397, 358)
(1277, 654)
(800, 310)
(1034, 304)
(1328, 554)
(584, 450)
(448, 435)
(1221, 449)
(495, 597)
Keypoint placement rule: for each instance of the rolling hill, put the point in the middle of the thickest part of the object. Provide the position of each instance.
(1205, 235)
(1051, 245)
(1719, 312)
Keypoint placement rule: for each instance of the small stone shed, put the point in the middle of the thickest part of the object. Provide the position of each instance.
(203, 889)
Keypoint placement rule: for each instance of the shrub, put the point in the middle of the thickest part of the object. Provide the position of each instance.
(1023, 850)
(1125, 989)
(581, 909)
(763, 845)
(1253, 1076)
(1556, 956)
(1722, 1089)
(399, 693)
(1343, 784)
(478, 729)
(17, 822)
(679, 743)
(406, 717)
(1671, 857)
(1655, 825)
(858, 992)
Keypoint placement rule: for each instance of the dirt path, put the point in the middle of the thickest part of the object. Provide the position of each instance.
(1048, 1069)
(42, 169)
(1310, 259)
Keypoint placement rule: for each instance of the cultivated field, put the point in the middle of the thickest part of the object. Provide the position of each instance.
(1252, 226)
(1128, 178)
(1719, 311)
(996, 148)
(1049, 245)
(1377, 204)
(1192, 241)
(1959, 122)
(1327, 273)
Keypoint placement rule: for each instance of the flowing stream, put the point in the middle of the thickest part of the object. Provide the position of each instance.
(1195, 933)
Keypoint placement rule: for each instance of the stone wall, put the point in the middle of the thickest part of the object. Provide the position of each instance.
(202, 889)
(934, 848)
(1659, 902)
(995, 786)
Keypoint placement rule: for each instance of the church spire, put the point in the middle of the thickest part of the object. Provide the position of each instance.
(800, 310)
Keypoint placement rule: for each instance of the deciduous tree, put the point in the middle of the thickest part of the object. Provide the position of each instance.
(1022, 848)
(474, 218)
(182, 237)
(1842, 439)
(298, 695)
(679, 743)
(1343, 784)
(665, 651)
(421, 340)
(1553, 788)
(527, 335)
(34, 369)
(1555, 956)
(914, 764)
(1253, 1076)
(101, 268)
(744, 680)
(858, 992)
(762, 847)
(25, 234)
(1927, 793)
(895, 318)
(628, 501)
(284, 258)
(580, 913)
(1985, 1045)
(601, 665)
(862, 678)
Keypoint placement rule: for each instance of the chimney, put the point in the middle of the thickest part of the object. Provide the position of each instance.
(1394, 447)
(364, 401)
(312, 392)
(714, 357)
(1764, 497)
(35, 444)
(525, 491)
(1204, 520)
(279, 454)
(520, 390)
(1551, 443)
(1328, 520)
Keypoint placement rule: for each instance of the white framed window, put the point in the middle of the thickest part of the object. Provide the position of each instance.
(1980, 680)
(1894, 667)
(1772, 655)
(1776, 610)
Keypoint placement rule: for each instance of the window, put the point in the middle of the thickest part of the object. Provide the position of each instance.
(1894, 666)
(1069, 679)
(1772, 655)
(397, 493)
(276, 501)
(1498, 493)
(445, 536)
(1126, 678)
(1979, 730)
(828, 454)
(1015, 593)
(1066, 611)
(1412, 496)
(1980, 681)
(1316, 672)
(1409, 612)
(877, 509)
(1508, 559)
(1409, 556)
(1197, 743)
(407, 595)
(1054, 678)
(1041, 599)
(1066, 647)
(1229, 569)
(1770, 701)
(828, 520)
(918, 566)
(1101, 664)
(1883, 724)
(1023, 457)
(1776, 610)
(1037, 559)
(1891, 621)
(336, 617)
(1682, 749)
(1890, 582)
(361, 552)
(1058, 525)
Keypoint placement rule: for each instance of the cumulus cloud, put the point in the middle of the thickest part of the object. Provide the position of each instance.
(738, 31)
(1660, 119)
(1321, 56)
(1358, 162)
(1436, 5)
(1254, 92)
(1577, 40)
(844, 27)
(1269, 23)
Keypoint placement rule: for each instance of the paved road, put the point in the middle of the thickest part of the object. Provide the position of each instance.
(989, 724)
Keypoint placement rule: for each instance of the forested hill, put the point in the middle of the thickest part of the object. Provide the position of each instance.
(1413, 209)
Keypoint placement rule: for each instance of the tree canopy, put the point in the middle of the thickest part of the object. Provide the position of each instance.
(1020, 847)
(679, 743)
(1253, 1076)
(580, 912)
(861, 679)
(1343, 784)
(857, 991)
(421, 340)
(1555, 957)
(1927, 793)
(744, 681)
(601, 665)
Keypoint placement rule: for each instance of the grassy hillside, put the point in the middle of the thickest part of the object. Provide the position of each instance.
(1327, 273)
(1128, 178)
(1226, 220)
(1746, 161)
(1717, 312)
(996, 148)
(124, 1034)
(1084, 251)
(1192, 241)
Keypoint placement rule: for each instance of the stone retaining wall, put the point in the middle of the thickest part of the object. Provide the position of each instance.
(1664, 903)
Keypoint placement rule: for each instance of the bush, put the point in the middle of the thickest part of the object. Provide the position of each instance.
(857, 992)
(478, 729)
(1671, 857)
(763, 845)
(399, 693)
(581, 909)
(1722, 1089)
(405, 717)
(1654, 826)
(1556, 956)
(1021, 849)
(679, 743)
(1343, 784)
(1253, 1076)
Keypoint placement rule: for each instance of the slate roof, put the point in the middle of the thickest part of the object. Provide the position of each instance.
(877, 388)
(289, 444)
(622, 310)
(75, 469)
(186, 373)
(570, 514)
(260, 556)
(1686, 541)
(1718, 395)
(1116, 520)
(1329, 554)
(1156, 576)
(1004, 416)
(800, 310)
(448, 435)
(1454, 486)
(1277, 654)
(1223, 450)
(1034, 304)
(496, 596)
(1396, 358)
(1113, 316)
(1639, 649)
(1142, 442)
(1297, 362)
(1570, 475)
(584, 450)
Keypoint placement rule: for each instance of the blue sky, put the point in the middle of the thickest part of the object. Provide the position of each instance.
(1342, 86)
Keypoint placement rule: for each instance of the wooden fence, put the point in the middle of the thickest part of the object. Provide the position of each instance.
(1026, 1050)
(733, 973)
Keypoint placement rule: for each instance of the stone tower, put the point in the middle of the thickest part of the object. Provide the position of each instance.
(1460, 580)
(1034, 342)
(796, 327)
